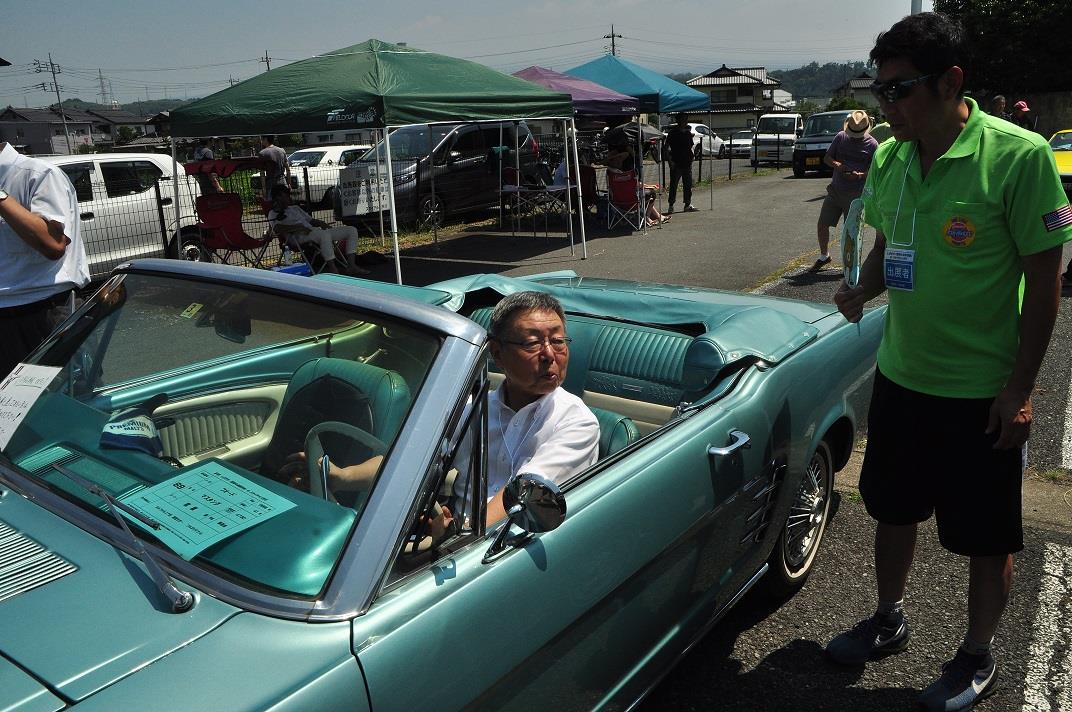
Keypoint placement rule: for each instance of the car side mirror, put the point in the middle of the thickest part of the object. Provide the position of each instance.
(454, 156)
(534, 504)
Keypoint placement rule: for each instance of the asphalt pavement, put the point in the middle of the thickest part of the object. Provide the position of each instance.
(758, 234)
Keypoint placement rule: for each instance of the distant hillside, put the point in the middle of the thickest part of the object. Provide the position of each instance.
(139, 108)
(815, 81)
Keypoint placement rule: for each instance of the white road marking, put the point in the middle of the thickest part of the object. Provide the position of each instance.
(1066, 441)
(1048, 683)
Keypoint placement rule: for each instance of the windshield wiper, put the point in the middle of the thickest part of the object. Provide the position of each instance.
(181, 601)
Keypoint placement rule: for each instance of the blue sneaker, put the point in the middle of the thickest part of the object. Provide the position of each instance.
(965, 680)
(874, 637)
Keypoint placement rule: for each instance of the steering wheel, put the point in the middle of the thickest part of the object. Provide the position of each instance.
(314, 449)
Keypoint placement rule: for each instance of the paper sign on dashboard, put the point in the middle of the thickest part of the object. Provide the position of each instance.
(203, 505)
(18, 392)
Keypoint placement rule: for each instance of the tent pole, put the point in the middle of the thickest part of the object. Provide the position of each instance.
(569, 198)
(580, 202)
(391, 203)
(379, 182)
(642, 195)
(711, 188)
(431, 179)
(175, 193)
(499, 162)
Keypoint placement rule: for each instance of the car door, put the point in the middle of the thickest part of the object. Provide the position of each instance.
(95, 239)
(126, 210)
(644, 560)
(464, 181)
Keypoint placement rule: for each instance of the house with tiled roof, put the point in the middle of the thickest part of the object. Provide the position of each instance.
(40, 131)
(858, 88)
(739, 95)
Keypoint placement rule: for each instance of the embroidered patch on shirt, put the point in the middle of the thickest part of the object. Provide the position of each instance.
(1062, 217)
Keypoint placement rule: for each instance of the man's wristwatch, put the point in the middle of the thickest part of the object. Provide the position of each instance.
(3, 195)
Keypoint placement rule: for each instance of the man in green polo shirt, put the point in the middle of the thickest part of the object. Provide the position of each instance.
(965, 205)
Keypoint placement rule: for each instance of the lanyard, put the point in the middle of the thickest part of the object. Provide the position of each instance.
(897, 215)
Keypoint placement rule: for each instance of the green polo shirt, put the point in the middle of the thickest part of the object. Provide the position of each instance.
(993, 197)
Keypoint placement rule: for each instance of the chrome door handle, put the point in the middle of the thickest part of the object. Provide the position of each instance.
(740, 440)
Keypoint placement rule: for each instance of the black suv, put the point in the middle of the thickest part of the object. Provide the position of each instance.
(466, 160)
(819, 130)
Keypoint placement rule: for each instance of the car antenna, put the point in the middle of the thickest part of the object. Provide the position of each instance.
(181, 601)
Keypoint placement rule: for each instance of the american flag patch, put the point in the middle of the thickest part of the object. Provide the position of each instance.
(1062, 217)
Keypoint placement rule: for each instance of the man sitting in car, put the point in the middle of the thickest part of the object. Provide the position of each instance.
(295, 225)
(534, 425)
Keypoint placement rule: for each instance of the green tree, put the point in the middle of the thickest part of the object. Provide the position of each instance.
(86, 148)
(1014, 46)
(839, 103)
(126, 134)
(806, 108)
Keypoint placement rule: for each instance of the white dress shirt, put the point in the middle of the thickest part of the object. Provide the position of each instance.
(26, 275)
(554, 437)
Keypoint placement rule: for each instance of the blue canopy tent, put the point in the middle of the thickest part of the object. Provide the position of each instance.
(655, 93)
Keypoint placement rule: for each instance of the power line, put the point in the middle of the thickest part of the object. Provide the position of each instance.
(523, 51)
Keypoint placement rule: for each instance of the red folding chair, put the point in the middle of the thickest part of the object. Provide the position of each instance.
(220, 225)
(622, 199)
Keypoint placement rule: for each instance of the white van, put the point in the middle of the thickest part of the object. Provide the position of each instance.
(775, 136)
(117, 203)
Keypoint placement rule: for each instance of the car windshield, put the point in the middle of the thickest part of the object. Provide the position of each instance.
(306, 158)
(824, 124)
(409, 142)
(1062, 141)
(739, 136)
(193, 399)
(777, 125)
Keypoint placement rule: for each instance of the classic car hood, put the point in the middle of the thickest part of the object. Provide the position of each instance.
(76, 614)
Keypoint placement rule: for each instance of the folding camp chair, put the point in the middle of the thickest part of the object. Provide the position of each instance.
(220, 226)
(622, 203)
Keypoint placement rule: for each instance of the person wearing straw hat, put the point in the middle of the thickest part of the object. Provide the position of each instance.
(849, 157)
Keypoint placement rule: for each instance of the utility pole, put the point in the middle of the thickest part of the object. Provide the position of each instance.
(611, 37)
(917, 7)
(40, 66)
(267, 60)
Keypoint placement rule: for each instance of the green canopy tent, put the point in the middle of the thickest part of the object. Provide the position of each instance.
(370, 85)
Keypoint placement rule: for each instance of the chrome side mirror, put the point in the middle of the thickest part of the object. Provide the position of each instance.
(534, 504)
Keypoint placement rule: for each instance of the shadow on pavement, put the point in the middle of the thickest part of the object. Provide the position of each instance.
(824, 276)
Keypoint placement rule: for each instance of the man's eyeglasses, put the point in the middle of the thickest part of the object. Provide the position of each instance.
(533, 346)
(890, 92)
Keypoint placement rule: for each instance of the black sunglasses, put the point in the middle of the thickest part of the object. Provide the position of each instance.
(890, 92)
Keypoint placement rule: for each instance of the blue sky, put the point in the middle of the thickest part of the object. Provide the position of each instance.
(194, 48)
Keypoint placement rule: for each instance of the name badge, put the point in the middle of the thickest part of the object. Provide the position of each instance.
(900, 269)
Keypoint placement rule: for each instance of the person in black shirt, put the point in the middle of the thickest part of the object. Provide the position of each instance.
(680, 143)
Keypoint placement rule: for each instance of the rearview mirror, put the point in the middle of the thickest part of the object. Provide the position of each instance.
(233, 326)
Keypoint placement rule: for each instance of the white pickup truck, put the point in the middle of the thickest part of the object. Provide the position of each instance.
(775, 136)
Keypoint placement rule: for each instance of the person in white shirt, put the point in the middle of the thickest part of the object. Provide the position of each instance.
(534, 425)
(42, 258)
(293, 223)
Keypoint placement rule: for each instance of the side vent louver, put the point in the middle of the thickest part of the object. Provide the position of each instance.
(25, 564)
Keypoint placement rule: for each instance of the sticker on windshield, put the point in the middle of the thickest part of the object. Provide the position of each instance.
(204, 505)
(18, 392)
(191, 310)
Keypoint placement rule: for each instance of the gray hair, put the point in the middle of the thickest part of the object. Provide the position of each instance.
(522, 302)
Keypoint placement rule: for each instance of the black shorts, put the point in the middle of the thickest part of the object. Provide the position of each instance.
(928, 454)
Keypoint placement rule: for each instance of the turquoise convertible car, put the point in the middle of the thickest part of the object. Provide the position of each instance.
(152, 555)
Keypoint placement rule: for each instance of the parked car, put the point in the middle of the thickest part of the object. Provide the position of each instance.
(809, 150)
(120, 209)
(706, 141)
(467, 175)
(775, 136)
(1061, 143)
(322, 164)
(740, 143)
(731, 414)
